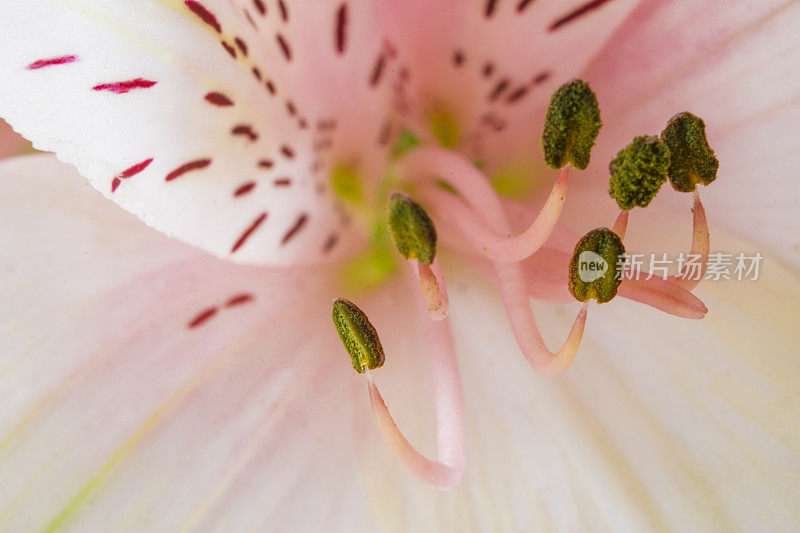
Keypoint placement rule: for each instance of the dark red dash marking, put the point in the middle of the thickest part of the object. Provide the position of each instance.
(63, 60)
(129, 172)
(202, 317)
(205, 15)
(541, 77)
(490, 5)
(266, 163)
(290, 108)
(183, 169)
(241, 44)
(330, 243)
(228, 48)
(256, 73)
(341, 28)
(287, 52)
(122, 87)
(488, 70)
(377, 71)
(244, 189)
(517, 95)
(260, 7)
(576, 13)
(287, 151)
(249, 231)
(283, 10)
(282, 182)
(296, 227)
(245, 129)
(501, 86)
(326, 124)
(219, 99)
(523, 5)
(458, 58)
(270, 87)
(302, 124)
(239, 299)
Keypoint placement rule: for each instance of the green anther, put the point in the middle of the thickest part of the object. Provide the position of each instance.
(412, 229)
(358, 336)
(638, 172)
(595, 270)
(692, 159)
(571, 125)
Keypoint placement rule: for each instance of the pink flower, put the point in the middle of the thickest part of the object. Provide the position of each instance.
(148, 384)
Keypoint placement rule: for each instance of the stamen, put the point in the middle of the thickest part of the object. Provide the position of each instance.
(434, 290)
(358, 336)
(638, 172)
(571, 125)
(497, 247)
(693, 160)
(414, 236)
(431, 162)
(701, 246)
(448, 471)
(621, 224)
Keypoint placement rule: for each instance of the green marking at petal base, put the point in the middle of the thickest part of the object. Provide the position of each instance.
(445, 128)
(406, 141)
(346, 184)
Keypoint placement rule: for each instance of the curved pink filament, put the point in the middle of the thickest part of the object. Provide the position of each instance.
(701, 244)
(434, 290)
(498, 247)
(476, 190)
(448, 471)
(621, 224)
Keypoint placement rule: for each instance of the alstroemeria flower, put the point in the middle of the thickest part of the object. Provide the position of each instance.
(198, 383)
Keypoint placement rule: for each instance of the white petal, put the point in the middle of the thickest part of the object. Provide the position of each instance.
(210, 121)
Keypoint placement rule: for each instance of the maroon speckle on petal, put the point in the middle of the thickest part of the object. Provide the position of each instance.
(517, 95)
(129, 172)
(287, 152)
(290, 108)
(218, 99)
(244, 188)
(330, 243)
(501, 86)
(295, 229)
(256, 73)
(202, 317)
(228, 48)
(260, 7)
(341, 28)
(541, 77)
(282, 182)
(51, 61)
(523, 5)
(283, 10)
(122, 87)
(266, 163)
(458, 58)
(284, 46)
(239, 299)
(183, 169)
(577, 13)
(490, 5)
(249, 231)
(205, 15)
(377, 71)
(270, 87)
(246, 130)
(241, 44)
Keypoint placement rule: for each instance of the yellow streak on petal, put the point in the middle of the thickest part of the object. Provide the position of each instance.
(123, 451)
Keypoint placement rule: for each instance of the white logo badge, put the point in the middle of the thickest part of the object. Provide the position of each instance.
(591, 266)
